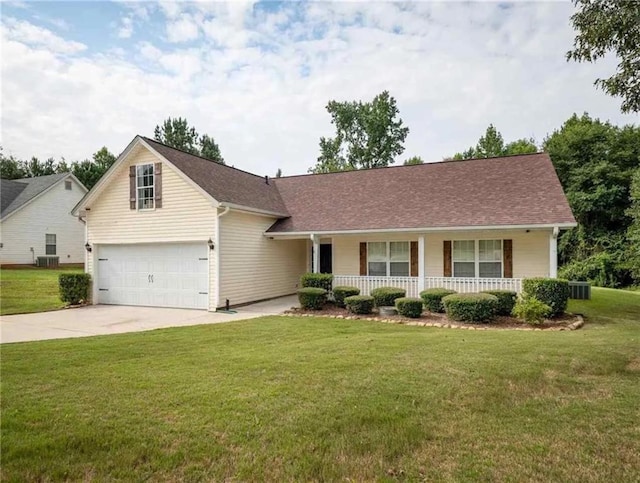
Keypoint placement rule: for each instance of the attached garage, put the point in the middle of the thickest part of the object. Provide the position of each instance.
(154, 274)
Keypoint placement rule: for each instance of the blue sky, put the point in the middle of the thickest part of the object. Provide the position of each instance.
(256, 76)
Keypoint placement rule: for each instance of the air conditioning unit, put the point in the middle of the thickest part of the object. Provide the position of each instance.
(48, 262)
(580, 290)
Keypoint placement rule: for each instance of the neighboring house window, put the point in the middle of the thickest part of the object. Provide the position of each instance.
(483, 258)
(67, 185)
(50, 244)
(144, 186)
(388, 259)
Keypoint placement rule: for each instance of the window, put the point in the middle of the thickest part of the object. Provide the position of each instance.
(50, 244)
(145, 192)
(67, 185)
(483, 258)
(388, 258)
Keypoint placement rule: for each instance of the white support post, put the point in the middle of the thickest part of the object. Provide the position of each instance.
(421, 267)
(316, 253)
(553, 253)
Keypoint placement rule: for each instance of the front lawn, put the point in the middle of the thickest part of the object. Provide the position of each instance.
(26, 290)
(291, 399)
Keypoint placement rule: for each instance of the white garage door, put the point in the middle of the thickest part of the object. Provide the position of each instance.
(156, 275)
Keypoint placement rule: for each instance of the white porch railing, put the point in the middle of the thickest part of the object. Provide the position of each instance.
(410, 284)
(366, 284)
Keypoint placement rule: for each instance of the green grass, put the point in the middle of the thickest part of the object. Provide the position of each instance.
(283, 399)
(27, 290)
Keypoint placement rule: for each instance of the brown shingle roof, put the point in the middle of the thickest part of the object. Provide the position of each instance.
(224, 183)
(511, 190)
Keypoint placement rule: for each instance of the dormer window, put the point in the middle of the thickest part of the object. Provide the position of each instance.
(145, 187)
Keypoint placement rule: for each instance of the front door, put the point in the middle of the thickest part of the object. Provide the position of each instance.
(326, 259)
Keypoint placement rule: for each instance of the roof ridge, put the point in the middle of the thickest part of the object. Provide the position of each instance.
(444, 161)
(201, 157)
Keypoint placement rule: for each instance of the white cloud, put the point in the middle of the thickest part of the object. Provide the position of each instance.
(257, 79)
(29, 34)
(125, 30)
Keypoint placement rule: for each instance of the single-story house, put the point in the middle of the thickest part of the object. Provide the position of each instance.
(167, 228)
(36, 220)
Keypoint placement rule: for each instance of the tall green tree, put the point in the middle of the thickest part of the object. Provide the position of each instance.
(279, 173)
(90, 171)
(595, 162)
(34, 167)
(633, 232)
(10, 167)
(611, 26)
(368, 135)
(492, 144)
(177, 133)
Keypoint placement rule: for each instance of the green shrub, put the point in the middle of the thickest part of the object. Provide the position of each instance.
(341, 292)
(470, 307)
(312, 297)
(359, 304)
(409, 307)
(319, 280)
(531, 310)
(551, 291)
(601, 269)
(74, 287)
(506, 300)
(432, 298)
(386, 296)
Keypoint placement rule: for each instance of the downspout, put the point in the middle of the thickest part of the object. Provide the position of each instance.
(217, 256)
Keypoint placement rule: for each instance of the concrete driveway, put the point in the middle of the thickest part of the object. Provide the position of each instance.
(118, 319)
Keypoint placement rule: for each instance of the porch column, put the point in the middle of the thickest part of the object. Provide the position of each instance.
(553, 253)
(421, 267)
(316, 253)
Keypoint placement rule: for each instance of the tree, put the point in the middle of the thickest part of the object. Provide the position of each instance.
(492, 144)
(88, 171)
(177, 133)
(413, 160)
(10, 167)
(209, 149)
(633, 233)
(368, 135)
(606, 26)
(279, 173)
(595, 162)
(34, 167)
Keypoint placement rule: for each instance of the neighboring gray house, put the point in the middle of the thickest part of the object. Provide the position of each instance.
(36, 220)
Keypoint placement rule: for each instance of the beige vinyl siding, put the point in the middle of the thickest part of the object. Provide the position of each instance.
(530, 250)
(253, 266)
(186, 214)
(48, 213)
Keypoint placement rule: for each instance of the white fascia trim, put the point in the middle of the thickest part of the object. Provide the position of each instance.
(255, 211)
(42, 193)
(423, 230)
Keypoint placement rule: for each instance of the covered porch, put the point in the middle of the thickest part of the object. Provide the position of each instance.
(460, 260)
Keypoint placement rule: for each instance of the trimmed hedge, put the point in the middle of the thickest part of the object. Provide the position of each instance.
(319, 280)
(506, 300)
(551, 291)
(312, 298)
(341, 292)
(470, 307)
(386, 296)
(409, 307)
(531, 310)
(359, 304)
(74, 287)
(432, 298)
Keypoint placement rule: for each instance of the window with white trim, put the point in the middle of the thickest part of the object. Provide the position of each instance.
(388, 259)
(145, 190)
(50, 244)
(482, 259)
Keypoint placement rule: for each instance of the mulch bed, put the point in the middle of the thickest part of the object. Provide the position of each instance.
(429, 319)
